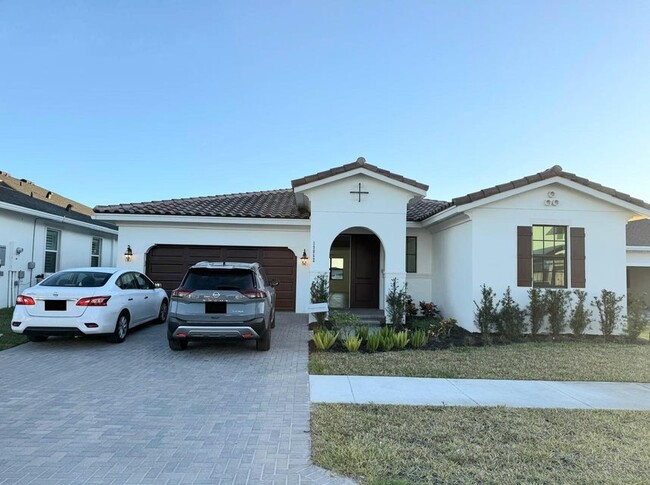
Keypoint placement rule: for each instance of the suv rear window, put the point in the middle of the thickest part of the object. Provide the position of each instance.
(218, 279)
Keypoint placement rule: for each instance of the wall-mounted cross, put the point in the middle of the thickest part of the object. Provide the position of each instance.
(359, 192)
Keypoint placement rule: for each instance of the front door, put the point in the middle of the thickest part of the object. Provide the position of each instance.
(364, 284)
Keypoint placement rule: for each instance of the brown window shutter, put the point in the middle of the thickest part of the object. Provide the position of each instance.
(524, 256)
(577, 241)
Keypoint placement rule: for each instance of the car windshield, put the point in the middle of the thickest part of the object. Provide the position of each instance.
(78, 279)
(219, 279)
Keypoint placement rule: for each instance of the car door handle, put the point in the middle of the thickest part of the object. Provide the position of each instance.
(146, 297)
(130, 299)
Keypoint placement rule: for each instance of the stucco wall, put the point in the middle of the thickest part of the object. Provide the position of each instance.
(18, 231)
(420, 285)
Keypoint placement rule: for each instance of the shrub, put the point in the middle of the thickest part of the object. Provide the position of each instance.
(352, 343)
(609, 311)
(374, 339)
(429, 310)
(637, 316)
(441, 328)
(325, 339)
(486, 312)
(411, 309)
(556, 306)
(511, 320)
(418, 339)
(320, 293)
(580, 315)
(387, 335)
(362, 332)
(401, 339)
(341, 320)
(396, 303)
(536, 310)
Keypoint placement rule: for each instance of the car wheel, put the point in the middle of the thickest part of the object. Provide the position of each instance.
(162, 314)
(177, 344)
(121, 329)
(265, 342)
(37, 338)
(273, 319)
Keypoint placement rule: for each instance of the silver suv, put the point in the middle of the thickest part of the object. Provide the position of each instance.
(219, 300)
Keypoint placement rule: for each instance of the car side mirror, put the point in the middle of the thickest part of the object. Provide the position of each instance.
(157, 285)
(274, 283)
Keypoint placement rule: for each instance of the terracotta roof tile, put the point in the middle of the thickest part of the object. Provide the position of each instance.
(360, 163)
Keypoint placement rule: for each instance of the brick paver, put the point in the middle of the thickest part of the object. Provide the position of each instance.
(85, 411)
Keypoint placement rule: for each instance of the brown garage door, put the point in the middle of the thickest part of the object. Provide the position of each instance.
(167, 264)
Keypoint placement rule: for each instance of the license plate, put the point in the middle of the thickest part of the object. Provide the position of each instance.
(215, 307)
(55, 305)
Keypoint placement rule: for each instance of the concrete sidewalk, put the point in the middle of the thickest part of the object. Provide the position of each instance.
(479, 392)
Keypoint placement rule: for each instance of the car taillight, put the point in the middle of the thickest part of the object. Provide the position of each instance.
(94, 301)
(254, 293)
(25, 300)
(181, 293)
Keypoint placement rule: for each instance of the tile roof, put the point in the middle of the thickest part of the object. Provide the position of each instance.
(265, 204)
(420, 209)
(40, 193)
(359, 163)
(20, 199)
(638, 233)
(555, 171)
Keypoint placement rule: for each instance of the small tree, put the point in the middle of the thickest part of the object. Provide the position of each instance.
(486, 313)
(396, 302)
(511, 320)
(556, 306)
(638, 316)
(580, 315)
(536, 310)
(609, 311)
(320, 293)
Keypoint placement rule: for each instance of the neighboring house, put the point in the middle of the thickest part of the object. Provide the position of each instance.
(42, 232)
(365, 226)
(638, 258)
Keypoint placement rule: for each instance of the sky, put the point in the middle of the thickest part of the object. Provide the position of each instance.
(124, 101)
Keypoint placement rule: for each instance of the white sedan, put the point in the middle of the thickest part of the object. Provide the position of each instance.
(89, 301)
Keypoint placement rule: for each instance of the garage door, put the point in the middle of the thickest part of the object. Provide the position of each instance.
(167, 264)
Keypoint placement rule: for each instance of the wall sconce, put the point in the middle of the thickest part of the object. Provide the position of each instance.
(128, 254)
(304, 259)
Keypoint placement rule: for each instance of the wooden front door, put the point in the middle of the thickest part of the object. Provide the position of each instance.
(364, 284)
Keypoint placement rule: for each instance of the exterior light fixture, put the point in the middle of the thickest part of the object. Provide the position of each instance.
(304, 259)
(128, 254)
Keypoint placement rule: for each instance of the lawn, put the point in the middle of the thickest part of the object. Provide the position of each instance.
(8, 338)
(452, 445)
(580, 361)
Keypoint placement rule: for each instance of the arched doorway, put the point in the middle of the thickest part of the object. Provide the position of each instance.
(355, 263)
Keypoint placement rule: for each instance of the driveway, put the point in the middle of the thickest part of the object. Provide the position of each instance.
(85, 411)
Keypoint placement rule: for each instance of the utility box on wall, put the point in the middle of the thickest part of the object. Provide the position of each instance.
(3, 255)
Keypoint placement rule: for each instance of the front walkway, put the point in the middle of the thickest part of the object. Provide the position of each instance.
(479, 392)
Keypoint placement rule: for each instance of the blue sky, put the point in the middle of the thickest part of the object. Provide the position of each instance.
(123, 101)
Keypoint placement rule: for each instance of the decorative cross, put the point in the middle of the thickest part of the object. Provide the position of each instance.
(359, 192)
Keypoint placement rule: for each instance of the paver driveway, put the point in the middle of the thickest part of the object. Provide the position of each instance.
(85, 411)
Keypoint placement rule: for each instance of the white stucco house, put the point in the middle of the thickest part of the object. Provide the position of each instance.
(363, 226)
(42, 232)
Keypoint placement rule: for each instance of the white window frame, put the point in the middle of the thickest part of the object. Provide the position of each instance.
(99, 253)
(56, 251)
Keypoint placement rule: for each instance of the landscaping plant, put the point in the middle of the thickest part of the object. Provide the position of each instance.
(429, 310)
(536, 310)
(401, 339)
(387, 336)
(637, 316)
(511, 320)
(362, 332)
(441, 328)
(325, 339)
(411, 309)
(320, 293)
(396, 302)
(374, 340)
(609, 311)
(556, 306)
(486, 313)
(580, 315)
(352, 343)
(419, 339)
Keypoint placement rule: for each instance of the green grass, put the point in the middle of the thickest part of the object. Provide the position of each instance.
(8, 338)
(453, 445)
(580, 361)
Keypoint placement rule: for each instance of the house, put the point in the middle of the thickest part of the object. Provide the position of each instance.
(42, 232)
(638, 258)
(365, 226)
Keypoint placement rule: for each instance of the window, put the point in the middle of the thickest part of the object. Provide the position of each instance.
(127, 282)
(411, 254)
(51, 250)
(549, 256)
(142, 282)
(96, 252)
